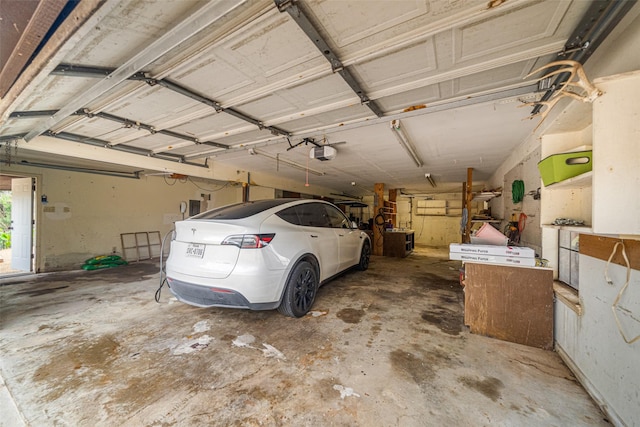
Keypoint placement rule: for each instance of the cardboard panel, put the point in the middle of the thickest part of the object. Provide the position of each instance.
(510, 303)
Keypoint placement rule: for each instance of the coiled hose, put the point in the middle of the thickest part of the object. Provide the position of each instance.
(517, 191)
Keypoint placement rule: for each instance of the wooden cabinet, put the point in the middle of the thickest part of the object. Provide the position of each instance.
(398, 243)
(510, 303)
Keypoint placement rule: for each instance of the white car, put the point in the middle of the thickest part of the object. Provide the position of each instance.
(263, 255)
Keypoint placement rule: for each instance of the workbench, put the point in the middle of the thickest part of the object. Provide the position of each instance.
(398, 243)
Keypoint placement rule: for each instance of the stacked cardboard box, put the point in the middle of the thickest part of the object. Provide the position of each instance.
(490, 254)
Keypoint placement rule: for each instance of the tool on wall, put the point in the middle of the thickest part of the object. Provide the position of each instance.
(515, 228)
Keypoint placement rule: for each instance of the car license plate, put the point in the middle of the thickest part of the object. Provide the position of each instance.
(195, 250)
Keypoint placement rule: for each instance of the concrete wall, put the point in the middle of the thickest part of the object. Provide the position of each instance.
(85, 213)
(436, 230)
(441, 230)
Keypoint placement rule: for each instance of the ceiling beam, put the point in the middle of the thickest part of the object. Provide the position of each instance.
(31, 114)
(216, 105)
(133, 175)
(151, 129)
(125, 122)
(100, 72)
(305, 24)
(209, 13)
(132, 150)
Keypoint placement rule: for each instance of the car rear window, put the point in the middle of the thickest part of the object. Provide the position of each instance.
(307, 215)
(314, 215)
(241, 210)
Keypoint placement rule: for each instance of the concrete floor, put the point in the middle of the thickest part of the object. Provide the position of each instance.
(385, 347)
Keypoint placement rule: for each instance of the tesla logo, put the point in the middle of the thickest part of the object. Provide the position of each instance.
(193, 230)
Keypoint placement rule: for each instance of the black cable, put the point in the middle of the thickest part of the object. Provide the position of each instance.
(207, 189)
(380, 224)
(163, 272)
(159, 291)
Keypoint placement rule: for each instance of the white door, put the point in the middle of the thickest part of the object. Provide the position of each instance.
(21, 223)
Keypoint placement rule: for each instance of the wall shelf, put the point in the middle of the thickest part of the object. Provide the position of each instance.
(439, 208)
(577, 228)
(485, 196)
(581, 181)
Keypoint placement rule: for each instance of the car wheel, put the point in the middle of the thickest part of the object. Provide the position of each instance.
(300, 292)
(364, 257)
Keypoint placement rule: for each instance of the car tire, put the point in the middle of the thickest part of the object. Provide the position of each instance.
(300, 292)
(365, 255)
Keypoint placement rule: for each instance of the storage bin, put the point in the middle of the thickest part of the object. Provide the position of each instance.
(559, 167)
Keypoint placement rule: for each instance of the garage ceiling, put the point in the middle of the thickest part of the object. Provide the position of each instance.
(239, 83)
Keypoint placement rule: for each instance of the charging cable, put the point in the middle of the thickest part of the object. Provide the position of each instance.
(163, 272)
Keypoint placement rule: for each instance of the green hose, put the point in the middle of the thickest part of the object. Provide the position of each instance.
(517, 191)
(103, 261)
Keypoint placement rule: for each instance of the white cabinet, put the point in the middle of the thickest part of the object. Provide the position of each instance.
(606, 198)
(616, 153)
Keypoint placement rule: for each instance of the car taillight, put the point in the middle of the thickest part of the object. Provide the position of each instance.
(249, 241)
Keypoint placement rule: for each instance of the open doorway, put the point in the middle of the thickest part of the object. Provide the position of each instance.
(17, 225)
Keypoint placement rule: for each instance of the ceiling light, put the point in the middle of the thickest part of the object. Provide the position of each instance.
(430, 179)
(405, 142)
(280, 160)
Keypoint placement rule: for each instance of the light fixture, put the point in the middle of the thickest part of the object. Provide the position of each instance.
(280, 160)
(347, 195)
(430, 179)
(132, 175)
(404, 141)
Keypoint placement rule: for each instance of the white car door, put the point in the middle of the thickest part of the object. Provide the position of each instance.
(322, 237)
(349, 239)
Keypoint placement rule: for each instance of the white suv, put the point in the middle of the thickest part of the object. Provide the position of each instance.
(263, 255)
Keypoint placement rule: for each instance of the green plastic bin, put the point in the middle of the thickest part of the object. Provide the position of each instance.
(559, 167)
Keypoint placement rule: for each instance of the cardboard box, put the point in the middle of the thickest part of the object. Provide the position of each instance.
(507, 251)
(493, 259)
(559, 167)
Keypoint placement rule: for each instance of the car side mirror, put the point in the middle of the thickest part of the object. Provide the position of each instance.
(354, 225)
